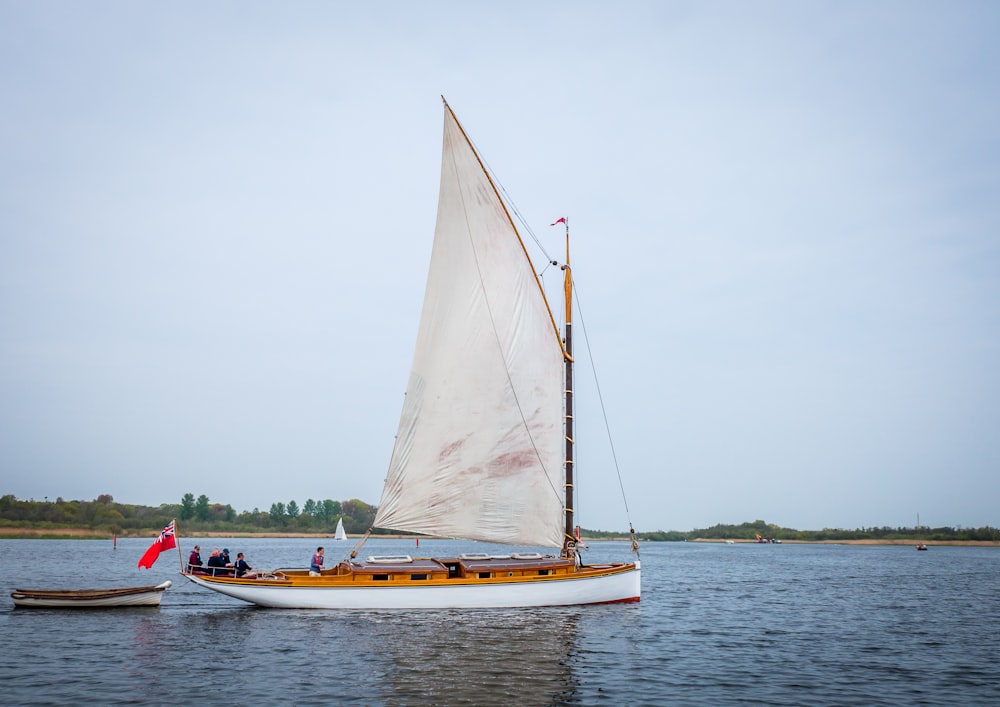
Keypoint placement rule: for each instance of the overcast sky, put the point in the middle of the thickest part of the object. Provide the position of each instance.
(216, 218)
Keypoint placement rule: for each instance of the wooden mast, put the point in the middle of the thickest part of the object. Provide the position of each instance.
(570, 537)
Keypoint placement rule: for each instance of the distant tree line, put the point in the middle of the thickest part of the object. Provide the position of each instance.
(193, 515)
(750, 531)
(197, 515)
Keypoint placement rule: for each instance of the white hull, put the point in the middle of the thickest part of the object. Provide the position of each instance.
(88, 598)
(605, 589)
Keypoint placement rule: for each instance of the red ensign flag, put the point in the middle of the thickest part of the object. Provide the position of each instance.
(164, 542)
(562, 220)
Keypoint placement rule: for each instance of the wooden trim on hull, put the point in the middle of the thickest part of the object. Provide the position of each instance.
(603, 584)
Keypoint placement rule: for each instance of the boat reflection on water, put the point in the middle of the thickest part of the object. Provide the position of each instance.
(441, 657)
(479, 657)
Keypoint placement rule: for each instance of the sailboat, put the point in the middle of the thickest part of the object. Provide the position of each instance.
(340, 534)
(484, 448)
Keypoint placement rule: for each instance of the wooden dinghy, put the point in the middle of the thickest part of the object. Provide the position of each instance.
(89, 598)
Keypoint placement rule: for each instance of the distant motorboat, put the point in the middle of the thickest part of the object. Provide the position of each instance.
(921, 546)
(89, 598)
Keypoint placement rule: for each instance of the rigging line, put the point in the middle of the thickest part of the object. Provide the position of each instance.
(590, 356)
(489, 308)
(510, 203)
(541, 275)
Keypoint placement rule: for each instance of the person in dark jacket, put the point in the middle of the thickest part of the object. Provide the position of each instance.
(217, 565)
(194, 561)
(241, 565)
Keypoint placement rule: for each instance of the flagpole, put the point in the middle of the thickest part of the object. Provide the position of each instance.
(177, 537)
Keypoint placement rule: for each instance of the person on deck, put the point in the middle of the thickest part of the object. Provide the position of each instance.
(316, 566)
(241, 565)
(194, 561)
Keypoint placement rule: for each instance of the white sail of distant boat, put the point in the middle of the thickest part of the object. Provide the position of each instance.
(484, 448)
(340, 535)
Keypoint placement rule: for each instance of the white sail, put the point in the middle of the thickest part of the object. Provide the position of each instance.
(340, 533)
(479, 450)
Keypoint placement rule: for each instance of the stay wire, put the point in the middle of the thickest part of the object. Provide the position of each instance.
(513, 207)
(600, 399)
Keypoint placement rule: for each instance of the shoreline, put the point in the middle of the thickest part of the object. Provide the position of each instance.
(864, 541)
(8, 533)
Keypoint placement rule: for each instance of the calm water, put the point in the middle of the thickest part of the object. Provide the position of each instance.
(718, 624)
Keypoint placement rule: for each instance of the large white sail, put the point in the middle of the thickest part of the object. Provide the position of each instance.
(479, 450)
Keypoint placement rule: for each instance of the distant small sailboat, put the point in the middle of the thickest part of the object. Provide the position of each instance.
(341, 535)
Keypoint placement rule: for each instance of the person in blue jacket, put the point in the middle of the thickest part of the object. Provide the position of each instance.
(217, 565)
